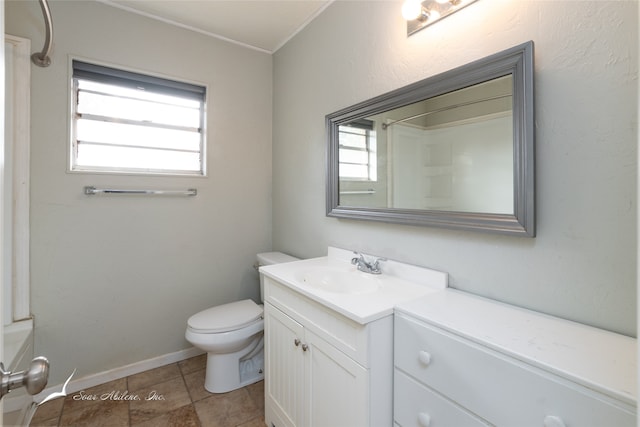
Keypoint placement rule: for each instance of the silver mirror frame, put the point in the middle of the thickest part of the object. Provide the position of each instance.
(517, 61)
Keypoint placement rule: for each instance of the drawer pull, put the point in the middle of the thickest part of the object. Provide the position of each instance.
(424, 357)
(553, 421)
(424, 419)
(296, 342)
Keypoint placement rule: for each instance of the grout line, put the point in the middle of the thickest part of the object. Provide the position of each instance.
(129, 410)
(99, 378)
(186, 386)
(129, 403)
(60, 413)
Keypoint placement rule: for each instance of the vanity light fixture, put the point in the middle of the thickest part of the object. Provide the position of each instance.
(420, 14)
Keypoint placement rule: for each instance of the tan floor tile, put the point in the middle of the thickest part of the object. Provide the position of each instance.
(178, 384)
(107, 413)
(169, 395)
(227, 409)
(193, 364)
(52, 422)
(256, 422)
(51, 409)
(256, 391)
(195, 386)
(95, 395)
(182, 417)
(153, 376)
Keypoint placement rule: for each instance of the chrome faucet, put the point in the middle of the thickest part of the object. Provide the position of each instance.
(365, 266)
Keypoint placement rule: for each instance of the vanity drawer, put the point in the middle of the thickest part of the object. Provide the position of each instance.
(498, 388)
(416, 405)
(343, 333)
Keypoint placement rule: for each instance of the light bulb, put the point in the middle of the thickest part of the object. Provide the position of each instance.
(411, 9)
(434, 15)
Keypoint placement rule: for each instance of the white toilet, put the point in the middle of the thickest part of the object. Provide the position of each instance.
(232, 335)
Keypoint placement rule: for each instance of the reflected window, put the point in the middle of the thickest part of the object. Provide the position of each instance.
(358, 151)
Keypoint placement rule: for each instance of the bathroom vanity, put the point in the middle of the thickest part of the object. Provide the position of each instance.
(319, 368)
(329, 339)
(345, 348)
(462, 360)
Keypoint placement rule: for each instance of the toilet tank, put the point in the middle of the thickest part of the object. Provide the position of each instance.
(269, 258)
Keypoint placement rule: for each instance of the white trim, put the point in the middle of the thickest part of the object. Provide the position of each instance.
(16, 403)
(218, 36)
(184, 26)
(18, 344)
(304, 24)
(2, 142)
(19, 146)
(104, 377)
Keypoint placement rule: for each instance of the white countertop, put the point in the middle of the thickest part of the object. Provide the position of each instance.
(399, 283)
(598, 359)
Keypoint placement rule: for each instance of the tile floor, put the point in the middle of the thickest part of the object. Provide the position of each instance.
(168, 396)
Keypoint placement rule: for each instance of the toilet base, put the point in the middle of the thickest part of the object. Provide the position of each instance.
(227, 372)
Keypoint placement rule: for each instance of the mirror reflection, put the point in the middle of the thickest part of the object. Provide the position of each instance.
(453, 152)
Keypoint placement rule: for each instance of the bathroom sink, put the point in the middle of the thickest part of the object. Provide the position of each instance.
(334, 282)
(339, 281)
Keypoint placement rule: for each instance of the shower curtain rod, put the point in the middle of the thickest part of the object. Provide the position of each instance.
(41, 59)
(449, 107)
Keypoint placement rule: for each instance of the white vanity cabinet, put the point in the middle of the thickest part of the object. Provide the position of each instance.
(462, 360)
(321, 369)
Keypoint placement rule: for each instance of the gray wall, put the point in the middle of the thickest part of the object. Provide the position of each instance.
(582, 264)
(114, 279)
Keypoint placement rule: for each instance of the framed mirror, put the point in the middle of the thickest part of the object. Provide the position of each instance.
(455, 150)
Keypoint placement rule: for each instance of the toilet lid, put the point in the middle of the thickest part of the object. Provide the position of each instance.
(226, 317)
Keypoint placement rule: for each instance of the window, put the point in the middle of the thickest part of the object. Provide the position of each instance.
(130, 122)
(357, 152)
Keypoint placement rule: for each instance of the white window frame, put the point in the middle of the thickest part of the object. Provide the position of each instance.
(158, 85)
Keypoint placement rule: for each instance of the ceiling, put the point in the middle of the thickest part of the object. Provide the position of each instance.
(264, 25)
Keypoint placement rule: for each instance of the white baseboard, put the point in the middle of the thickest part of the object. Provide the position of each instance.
(18, 402)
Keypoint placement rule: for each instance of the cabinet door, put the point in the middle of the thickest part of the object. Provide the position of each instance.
(284, 370)
(337, 386)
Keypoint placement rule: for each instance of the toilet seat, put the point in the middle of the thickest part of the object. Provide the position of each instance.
(226, 317)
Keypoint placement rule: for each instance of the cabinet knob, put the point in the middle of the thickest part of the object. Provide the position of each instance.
(424, 357)
(296, 342)
(305, 347)
(553, 421)
(424, 419)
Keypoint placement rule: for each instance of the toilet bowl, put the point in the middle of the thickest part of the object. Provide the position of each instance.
(232, 336)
